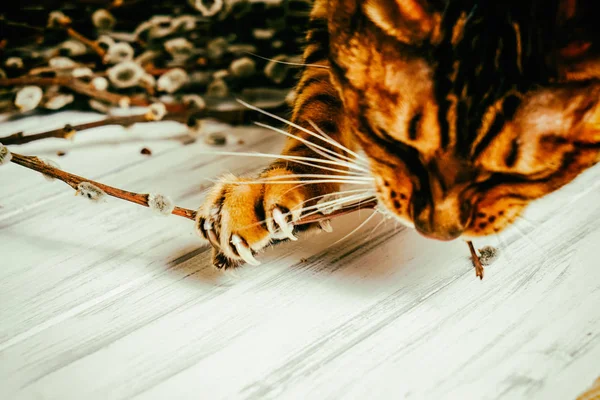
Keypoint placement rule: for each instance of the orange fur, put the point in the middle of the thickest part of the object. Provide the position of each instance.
(452, 160)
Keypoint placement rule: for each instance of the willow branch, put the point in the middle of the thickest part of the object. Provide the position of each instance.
(35, 164)
(88, 42)
(68, 131)
(363, 205)
(76, 86)
(67, 28)
(72, 180)
(175, 112)
(479, 270)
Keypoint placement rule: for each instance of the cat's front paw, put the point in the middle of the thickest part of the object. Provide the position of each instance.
(241, 216)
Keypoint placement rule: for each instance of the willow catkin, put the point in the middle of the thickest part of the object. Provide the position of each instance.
(141, 42)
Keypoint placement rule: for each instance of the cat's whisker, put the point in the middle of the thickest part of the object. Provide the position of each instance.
(376, 227)
(325, 137)
(295, 126)
(287, 62)
(341, 174)
(323, 176)
(355, 202)
(341, 201)
(363, 190)
(358, 198)
(358, 228)
(341, 171)
(289, 158)
(325, 152)
(359, 191)
(262, 182)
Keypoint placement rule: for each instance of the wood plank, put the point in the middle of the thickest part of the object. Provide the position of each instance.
(107, 301)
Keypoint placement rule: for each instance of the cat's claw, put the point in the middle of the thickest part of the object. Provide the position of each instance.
(240, 219)
(210, 234)
(326, 225)
(243, 250)
(281, 221)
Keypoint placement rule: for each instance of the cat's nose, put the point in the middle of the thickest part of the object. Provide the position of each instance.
(437, 221)
(434, 231)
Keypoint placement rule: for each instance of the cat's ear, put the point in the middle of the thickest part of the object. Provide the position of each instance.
(409, 21)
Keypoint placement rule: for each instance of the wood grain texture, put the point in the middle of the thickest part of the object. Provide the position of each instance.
(108, 301)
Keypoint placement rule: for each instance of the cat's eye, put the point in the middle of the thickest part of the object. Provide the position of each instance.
(413, 127)
(466, 209)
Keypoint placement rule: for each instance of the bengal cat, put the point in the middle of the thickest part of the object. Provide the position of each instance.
(467, 110)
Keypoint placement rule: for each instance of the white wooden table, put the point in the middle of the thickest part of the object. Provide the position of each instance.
(108, 301)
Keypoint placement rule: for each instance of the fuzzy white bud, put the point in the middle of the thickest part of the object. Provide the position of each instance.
(156, 27)
(220, 74)
(103, 20)
(207, 10)
(119, 52)
(172, 80)
(82, 72)
(99, 83)
(5, 155)
(124, 102)
(61, 63)
(28, 98)
(184, 23)
(91, 191)
(217, 88)
(57, 19)
(275, 70)
(160, 204)
(488, 255)
(14, 63)
(74, 47)
(148, 81)
(156, 112)
(179, 47)
(125, 74)
(194, 101)
(243, 67)
(105, 40)
(59, 101)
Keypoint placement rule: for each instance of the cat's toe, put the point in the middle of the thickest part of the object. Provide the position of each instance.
(240, 218)
(205, 228)
(280, 224)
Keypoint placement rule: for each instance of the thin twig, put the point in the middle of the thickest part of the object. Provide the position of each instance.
(92, 44)
(363, 205)
(475, 259)
(72, 180)
(88, 42)
(175, 112)
(68, 130)
(76, 86)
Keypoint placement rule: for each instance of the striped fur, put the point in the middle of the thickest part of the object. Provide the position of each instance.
(467, 109)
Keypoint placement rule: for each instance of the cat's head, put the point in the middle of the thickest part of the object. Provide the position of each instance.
(467, 112)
